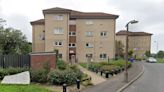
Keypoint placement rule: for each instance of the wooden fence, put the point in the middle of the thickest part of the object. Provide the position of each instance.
(14, 61)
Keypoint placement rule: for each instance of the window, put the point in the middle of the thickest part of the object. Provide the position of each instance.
(58, 30)
(89, 45)
(72, 33)
(60, 55)
(58, 17)
(72, 45)
(89, 22)
(58, 43)
(103, 33)
(103, 56)
(89, 33)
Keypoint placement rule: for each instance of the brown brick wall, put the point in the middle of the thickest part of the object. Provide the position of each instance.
(39, 60)
(72, 27)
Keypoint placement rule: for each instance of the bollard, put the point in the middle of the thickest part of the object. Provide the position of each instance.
(101, 73)
(64, 87)
(78, 83)
(107, 75)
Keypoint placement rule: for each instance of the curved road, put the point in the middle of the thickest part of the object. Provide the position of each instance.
(151, 81)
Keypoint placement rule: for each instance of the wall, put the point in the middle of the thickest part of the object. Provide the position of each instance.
(101, 44)
(38, 60)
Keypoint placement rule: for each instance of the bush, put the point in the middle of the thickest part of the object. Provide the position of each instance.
(40, 75)
(109, 68)
(11, 71)
(68, 76)
(61, 65)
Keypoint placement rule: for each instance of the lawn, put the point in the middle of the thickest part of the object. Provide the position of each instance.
(22, 88)
(160, 60)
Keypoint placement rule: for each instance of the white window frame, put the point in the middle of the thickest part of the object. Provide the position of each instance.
(59, 30)
(90, 45)
(89, 22)
(58, 17)
(103, 33)
(89, 33)
(72, 45)
(103, 56)
(89, 54)
(58, 43)
(72, 33)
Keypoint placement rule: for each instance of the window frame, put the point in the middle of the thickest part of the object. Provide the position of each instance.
(103, 56)
(71, 33)
(58, 17)
(59, 43)
(58, 31)
(71, 45)
(103, 33)
(89, 33)
(90, 45)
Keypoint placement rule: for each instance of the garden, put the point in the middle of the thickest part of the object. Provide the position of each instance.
(106, 69)
(63, 74)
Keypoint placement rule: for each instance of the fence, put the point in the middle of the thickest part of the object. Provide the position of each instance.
(14, 61)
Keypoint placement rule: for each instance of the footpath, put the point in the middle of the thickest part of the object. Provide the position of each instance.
(114, 83)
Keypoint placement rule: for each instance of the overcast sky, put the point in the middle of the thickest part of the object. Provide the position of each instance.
(149, 13)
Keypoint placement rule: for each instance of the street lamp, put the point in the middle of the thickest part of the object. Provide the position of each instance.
(126, 63)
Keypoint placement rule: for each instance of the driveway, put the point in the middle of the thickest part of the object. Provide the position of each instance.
(151, 81)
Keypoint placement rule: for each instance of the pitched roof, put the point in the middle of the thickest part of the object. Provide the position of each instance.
(40, 21)
(76, 14)
(124, 32)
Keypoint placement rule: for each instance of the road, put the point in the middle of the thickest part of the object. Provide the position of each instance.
(151, 81)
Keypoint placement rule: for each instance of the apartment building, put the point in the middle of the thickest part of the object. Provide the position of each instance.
(139, 42)
(75, 34)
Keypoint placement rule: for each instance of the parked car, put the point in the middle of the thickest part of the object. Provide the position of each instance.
(151, 60)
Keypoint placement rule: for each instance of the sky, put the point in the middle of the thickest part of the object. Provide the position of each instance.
(149, 13)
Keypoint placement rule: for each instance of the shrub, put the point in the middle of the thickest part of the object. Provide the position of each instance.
(68, 76)
(109, 68)
(40, 75)
(61, 65)
(11, 71)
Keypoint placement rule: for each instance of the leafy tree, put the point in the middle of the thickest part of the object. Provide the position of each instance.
(148, 54)
(119, 49)
(13, 41)
(160, 54)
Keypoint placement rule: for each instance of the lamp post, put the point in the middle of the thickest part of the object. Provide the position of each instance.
(126, 63)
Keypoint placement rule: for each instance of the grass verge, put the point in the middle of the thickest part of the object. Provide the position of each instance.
(22, 88)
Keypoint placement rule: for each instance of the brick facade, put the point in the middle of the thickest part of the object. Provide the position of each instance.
(38, 60)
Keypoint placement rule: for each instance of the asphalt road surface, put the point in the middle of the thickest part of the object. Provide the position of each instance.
(151, 81)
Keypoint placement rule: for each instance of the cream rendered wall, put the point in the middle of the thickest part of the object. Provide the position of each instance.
(37, 42)
(101, 44)
(50, 38)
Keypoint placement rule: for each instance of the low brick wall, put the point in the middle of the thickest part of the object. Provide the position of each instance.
(38, 60)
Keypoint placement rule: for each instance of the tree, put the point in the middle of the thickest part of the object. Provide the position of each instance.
(13, 41)
(148, 54)
(160, 54)
(119, 49)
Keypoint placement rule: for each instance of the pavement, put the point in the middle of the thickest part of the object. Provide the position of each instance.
(96, 79)
(151, 81)
(114, 83)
